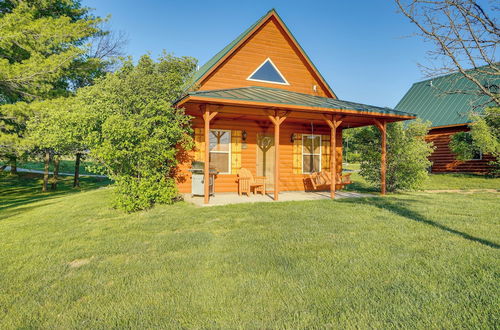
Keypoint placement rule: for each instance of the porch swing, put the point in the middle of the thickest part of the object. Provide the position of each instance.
(323, 178)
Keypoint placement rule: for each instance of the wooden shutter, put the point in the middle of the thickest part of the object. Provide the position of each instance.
(199, 143)
(235, 151)
(297, 154)
(325, 152)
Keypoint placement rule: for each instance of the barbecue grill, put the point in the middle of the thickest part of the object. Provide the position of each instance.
(198, 179)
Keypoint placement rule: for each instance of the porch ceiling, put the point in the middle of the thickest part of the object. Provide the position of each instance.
(279, 99)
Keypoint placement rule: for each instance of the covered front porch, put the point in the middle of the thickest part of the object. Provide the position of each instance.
(285, 115)
(221, 199)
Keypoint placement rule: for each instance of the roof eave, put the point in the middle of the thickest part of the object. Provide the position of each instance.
(450, 126)
(200, 99)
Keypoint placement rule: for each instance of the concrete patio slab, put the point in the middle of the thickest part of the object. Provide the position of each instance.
(232, 198)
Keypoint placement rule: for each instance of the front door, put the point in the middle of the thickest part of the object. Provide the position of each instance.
(265, 158)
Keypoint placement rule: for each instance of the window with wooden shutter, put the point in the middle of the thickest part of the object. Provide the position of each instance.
(235, 151)
(297, 154)
(311, 153)
(220, 150)
(325, 152)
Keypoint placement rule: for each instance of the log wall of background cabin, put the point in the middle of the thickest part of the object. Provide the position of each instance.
(288, 180)
(443, 158)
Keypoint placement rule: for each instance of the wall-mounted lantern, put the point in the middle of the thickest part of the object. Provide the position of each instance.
(244, 136)
(293, 137)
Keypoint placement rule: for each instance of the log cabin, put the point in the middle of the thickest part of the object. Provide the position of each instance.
(446, 102)
(260, 104)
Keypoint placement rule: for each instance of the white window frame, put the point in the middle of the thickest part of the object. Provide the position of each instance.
(229, 152)
(267, 81)
(309, 154)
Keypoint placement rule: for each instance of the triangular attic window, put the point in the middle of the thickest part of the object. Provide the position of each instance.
(269, 73)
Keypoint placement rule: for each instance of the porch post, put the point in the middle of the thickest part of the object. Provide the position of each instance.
(333, 159)
(277, 159)
(333, 122)
(277, 120)
(382, 126)
(207, 116)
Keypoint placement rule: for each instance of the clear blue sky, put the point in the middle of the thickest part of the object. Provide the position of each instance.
(361, 47)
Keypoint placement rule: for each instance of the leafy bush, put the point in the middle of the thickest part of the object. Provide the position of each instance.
(484, 136)
(134, 194)
(463, 146)
(136, 131)
(349, 146)
(407, 155)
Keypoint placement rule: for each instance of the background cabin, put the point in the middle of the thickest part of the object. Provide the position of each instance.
(446, 102)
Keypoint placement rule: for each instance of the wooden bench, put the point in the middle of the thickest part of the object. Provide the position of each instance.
(324, 178)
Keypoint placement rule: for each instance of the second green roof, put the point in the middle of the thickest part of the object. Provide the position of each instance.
(447, 100)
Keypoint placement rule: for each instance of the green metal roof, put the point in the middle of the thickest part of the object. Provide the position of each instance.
(217, 57)
(434, 99)
(284, 97)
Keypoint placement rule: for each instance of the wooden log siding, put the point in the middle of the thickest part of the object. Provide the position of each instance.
(235, 151)
(199, 141)
(291, 177)
(297, 154)
(325, 152)
(269, 41)
(443, 160)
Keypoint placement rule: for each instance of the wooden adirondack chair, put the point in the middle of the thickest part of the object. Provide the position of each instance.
(323, 178)
(246, 181)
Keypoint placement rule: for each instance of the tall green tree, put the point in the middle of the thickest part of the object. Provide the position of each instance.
(35, 52)
(56, 128)
(48, 8)
(44, 53)
(136, 131)
(12, 126)
(407, 155)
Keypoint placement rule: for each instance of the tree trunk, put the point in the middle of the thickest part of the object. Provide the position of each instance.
(46, 171)
(56, 173)
(13, 165)
(76, 180)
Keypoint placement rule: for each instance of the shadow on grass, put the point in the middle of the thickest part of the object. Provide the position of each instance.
(399, 209)
(25, 188)
(361, 187)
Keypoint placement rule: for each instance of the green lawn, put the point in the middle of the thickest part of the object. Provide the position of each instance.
(410, 260)
(65, 166)
(461, 181)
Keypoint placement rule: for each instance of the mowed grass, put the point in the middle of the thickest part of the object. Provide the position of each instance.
(411, 260)
(19, 192)
(450, 181)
